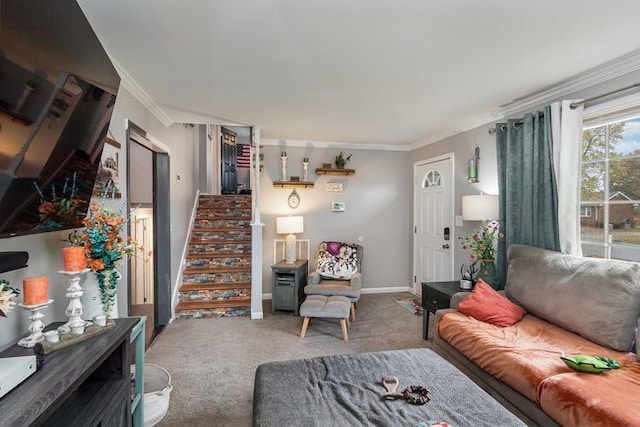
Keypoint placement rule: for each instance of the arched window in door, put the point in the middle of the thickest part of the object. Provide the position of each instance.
(432, 179)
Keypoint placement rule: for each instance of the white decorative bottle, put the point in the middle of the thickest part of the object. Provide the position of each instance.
(305, 166)
(283, 158)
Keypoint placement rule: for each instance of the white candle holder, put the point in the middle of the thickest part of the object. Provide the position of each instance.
(284, 167)
(36, 326)
(74, 310)
(305, 167)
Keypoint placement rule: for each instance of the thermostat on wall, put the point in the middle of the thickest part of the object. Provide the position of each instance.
(334, 186)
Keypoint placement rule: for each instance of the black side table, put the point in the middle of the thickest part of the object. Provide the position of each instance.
(288, 285)
(436, 296)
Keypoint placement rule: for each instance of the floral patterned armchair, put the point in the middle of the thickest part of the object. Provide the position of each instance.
(336, 270)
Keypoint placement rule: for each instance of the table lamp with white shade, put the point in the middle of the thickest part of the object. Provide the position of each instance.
(290, 225)
(481, 207)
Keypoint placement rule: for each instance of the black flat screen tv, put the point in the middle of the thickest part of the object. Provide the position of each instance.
(57, 94)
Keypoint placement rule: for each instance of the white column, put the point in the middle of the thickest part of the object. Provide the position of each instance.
(256, 232)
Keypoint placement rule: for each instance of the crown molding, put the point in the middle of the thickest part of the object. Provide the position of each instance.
(138, 93)
(330, 144)
(480, 120)
(609, 70)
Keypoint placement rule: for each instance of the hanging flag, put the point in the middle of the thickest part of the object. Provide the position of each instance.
(243, 152)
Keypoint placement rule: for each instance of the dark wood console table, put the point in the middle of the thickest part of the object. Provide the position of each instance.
(84, 384)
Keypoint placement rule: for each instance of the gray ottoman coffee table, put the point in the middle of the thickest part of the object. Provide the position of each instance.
(333, 307)
(346, 390)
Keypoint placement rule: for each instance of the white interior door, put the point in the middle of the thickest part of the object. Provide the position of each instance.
(433, 221)
(142, 283)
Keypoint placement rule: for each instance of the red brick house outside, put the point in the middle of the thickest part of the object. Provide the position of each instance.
(620, 215)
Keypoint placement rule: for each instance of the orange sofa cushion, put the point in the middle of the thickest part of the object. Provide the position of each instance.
(581, 399)
(486, 304)
(522, 355)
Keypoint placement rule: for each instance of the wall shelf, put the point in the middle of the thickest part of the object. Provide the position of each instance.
(4, 109)
(283, 184)
(336, 171)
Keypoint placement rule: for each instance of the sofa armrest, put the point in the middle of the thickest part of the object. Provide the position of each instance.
(314, 278)
(638, 342)
(356, 280)
(458, 297)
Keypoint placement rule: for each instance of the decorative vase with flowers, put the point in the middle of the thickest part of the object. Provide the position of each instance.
(482, 245)
(106, 248)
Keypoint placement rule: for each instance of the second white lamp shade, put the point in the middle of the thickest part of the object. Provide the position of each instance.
(482, 207)
(290, 225)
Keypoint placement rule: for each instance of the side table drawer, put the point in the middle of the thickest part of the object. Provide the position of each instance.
(284, 296)
(436, 301)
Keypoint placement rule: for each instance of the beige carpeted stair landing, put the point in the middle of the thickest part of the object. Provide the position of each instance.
(216, 281)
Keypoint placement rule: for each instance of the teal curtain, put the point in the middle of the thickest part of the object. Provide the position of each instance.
(528, 197)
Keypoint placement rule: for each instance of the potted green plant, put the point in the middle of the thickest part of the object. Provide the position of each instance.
(342, 159)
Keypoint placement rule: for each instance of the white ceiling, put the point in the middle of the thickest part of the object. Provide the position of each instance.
(392, 72)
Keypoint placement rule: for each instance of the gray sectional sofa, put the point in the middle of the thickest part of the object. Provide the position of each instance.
(574, 305)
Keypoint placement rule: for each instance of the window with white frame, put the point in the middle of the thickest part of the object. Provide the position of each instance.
(610, 193)
(586, 211)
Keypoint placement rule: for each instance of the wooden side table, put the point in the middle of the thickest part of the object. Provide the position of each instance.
(436, 296)
(288, 285)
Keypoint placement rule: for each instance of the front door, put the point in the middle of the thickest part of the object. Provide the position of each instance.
(433, 221)
(229, 162)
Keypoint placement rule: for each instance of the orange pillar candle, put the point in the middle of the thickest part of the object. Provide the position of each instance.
(36, 290)
(74, 259)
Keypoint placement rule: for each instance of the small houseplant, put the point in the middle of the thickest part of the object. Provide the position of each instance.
(342, 159)
(468, 276)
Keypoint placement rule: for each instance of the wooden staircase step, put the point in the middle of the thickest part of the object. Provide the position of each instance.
(220, 242)
(217, 229)
(223, 224)
(213, 255)
(195, 270)
(220, 286)
(216, 215)
(200, 305)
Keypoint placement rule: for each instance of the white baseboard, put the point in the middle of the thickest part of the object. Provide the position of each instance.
(387, 290)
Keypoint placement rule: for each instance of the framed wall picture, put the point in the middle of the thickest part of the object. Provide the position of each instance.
(337, 206)
(108, 169)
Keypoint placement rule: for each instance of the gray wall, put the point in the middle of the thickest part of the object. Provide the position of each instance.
(377, 209)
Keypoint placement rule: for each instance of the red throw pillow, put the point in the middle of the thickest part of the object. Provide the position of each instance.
(487, 305)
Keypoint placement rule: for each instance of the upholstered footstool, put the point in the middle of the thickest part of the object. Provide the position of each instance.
(333, 307)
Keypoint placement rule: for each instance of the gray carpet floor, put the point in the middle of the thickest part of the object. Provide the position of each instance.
(212, 362)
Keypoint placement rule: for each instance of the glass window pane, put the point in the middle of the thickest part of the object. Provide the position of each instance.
(594, 143)
(593, 251)
(612, 149)
(624, 138)
(626, 252)
(591, 228)
(624, 179)
(592, 181)
(433, 179)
